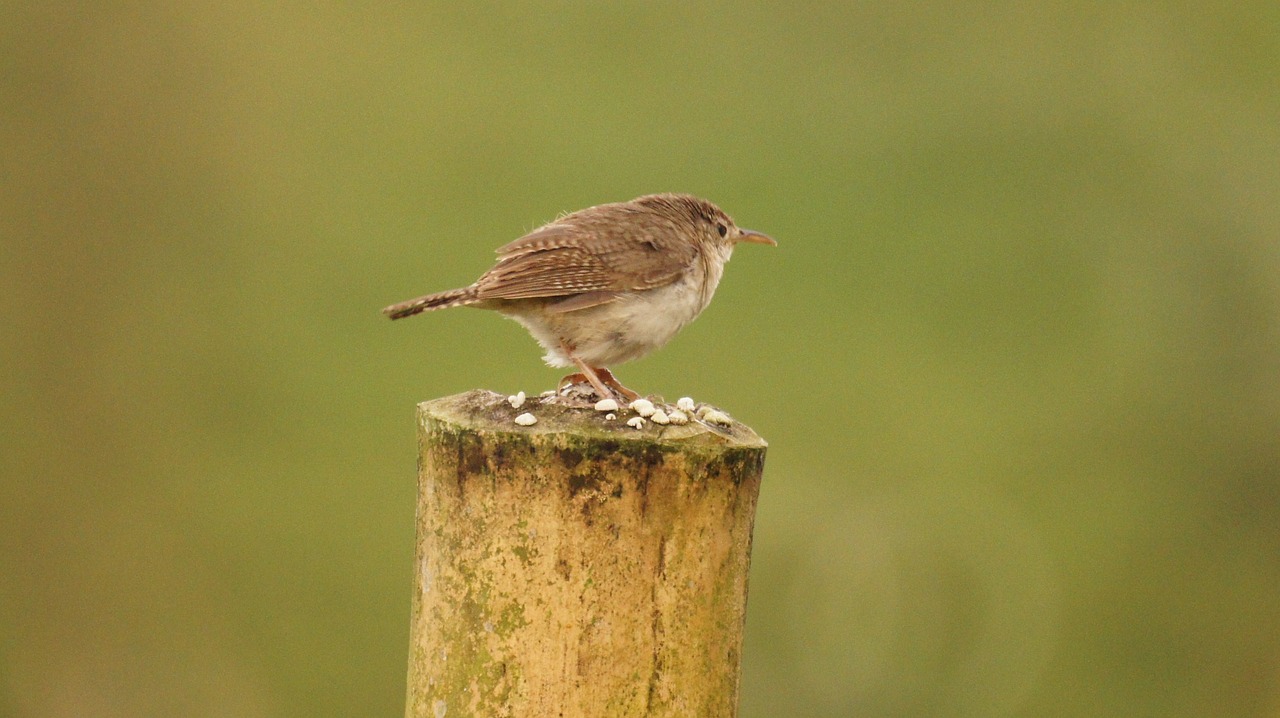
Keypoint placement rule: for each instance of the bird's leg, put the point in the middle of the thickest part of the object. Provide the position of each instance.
(612, 382)
(587, 372)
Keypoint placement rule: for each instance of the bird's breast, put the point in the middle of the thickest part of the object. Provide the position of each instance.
(632, 325)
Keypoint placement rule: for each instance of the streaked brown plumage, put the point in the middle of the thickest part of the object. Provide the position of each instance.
(606, 284)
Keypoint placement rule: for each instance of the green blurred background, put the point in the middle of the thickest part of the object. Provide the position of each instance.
(1017, 354)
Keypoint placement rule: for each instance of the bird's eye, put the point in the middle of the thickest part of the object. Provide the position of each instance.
(723, 230)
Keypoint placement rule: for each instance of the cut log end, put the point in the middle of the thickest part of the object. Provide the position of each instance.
(481, 410)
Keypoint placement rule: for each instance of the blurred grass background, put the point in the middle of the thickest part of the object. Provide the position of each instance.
(1017, 354)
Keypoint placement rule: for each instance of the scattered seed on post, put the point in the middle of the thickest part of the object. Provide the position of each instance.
(686, 404)
(715, 416)
(526, 419)
(660, 417)
(516, 401)
(678, 417)
(635, 422)
(643, 407)
(606, 405)
(610, 417)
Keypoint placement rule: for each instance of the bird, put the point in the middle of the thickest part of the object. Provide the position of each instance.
(607, 284)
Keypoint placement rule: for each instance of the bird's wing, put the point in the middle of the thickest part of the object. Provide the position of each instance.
(544, 273)
(565, 258)
(548, 236)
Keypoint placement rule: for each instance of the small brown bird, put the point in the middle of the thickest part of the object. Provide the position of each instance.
(606, 284)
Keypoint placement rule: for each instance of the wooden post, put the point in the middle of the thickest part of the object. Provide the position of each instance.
(578, 567)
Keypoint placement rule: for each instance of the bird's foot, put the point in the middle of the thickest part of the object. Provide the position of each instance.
(571, 379)
(597, 386)
(603, 383)
(600, 378)
(612, 382)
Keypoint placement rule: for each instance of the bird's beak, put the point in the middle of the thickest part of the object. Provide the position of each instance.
(746, 235)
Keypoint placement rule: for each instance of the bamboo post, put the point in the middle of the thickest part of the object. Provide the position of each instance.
(578, 567)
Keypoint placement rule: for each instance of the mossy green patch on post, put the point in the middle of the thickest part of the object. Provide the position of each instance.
(578, 567)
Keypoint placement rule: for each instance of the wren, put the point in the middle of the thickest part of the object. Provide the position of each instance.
(606, 284)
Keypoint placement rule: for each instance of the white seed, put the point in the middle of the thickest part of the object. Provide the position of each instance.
(715, 416)
(643, 407)
(685, 403)
(678, 417)
(516, 401)
(526, 419)
(610, 417)
(660, 417)
(606, 405)
(635, 422)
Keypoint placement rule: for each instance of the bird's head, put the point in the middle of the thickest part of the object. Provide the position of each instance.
(709, 224)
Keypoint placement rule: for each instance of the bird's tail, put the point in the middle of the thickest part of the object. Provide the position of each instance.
(439, 300)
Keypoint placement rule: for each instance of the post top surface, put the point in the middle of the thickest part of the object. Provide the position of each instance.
(485, 410)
